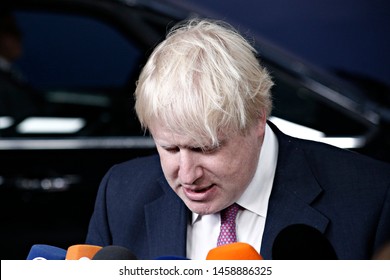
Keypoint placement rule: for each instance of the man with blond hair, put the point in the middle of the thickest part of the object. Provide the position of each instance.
(205, 98)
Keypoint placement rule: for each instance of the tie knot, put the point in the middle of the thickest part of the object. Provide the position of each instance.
(228, 215)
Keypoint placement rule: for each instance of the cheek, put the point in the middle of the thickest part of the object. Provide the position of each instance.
(168, 164)
(241, 165)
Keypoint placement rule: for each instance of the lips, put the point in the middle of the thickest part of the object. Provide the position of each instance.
(203, 189)
(199, 194)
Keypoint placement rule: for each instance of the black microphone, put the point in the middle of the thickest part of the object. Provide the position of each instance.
(302, 242)
(114, 252)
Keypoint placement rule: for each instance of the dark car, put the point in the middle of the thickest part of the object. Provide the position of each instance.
(81, 58)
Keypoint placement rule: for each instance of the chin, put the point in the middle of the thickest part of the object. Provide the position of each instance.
(202, 208)
(199, 208)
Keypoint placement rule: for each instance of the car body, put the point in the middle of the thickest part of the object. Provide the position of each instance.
(83, 57)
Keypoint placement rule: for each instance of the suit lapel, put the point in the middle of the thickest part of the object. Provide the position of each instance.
(294, 190)
(166, 221)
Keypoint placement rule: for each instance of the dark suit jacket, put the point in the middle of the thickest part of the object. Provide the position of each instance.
(344, 195)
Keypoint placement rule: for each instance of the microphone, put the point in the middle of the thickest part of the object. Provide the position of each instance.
(114, 252)
(302, 242)
(82, 252)
(234, 251)
(46, 252)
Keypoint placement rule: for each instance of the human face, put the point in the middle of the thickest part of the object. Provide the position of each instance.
(209, 179)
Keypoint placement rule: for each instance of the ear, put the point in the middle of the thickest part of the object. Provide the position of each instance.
(264, 116)
(261, 123)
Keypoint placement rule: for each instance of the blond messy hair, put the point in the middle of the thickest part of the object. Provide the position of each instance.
(202, 81)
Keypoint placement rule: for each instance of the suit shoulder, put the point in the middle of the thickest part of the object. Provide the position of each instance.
(146, 164)
(325, 153)
(337, 162)
(139, 170)
(134, 180)
(329, 152)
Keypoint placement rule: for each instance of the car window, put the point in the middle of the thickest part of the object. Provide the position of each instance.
(74, 51)
(83, 71)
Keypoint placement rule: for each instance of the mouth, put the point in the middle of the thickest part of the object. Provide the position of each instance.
(199, 194)
(201, 190)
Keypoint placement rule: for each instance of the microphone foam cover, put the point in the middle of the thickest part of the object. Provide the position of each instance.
(46, 252)
(82, 252)
(114, 252)
(234, 251)
(302, 242)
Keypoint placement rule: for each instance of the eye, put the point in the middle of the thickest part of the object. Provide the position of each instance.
(197, 149)
(172, 150)
(212, 149)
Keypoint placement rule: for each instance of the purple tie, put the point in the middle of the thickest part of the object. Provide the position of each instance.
(228, 225)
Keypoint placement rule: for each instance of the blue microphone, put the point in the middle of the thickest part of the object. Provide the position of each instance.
(46, 252)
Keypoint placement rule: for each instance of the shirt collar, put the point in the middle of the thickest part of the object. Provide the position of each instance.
(256, 196)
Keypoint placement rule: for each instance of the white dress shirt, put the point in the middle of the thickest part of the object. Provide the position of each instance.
(203, 230)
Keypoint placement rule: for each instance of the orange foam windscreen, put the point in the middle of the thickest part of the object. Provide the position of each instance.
(82, 252)
(234, 251)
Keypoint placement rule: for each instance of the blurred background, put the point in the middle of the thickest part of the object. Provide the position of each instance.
(347, 37)
(68, 70)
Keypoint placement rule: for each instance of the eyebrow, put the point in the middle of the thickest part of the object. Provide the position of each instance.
(192, 147)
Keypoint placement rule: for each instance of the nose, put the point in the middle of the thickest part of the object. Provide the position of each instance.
(189, 169)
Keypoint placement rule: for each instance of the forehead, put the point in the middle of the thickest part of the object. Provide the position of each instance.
(165, 136)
